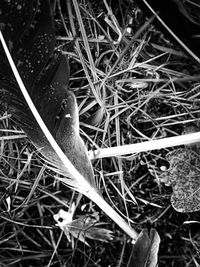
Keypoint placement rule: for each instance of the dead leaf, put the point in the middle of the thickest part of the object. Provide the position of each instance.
(82, 228)
(145, 250)
(184, 177)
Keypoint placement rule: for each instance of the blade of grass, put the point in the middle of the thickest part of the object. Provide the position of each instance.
(119, 160)
(89, 54)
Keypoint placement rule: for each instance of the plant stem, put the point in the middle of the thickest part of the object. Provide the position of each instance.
(145, 146)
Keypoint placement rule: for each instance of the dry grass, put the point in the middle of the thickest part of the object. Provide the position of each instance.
(130, 88)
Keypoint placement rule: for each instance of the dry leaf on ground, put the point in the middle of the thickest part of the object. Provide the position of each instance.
(184, 177)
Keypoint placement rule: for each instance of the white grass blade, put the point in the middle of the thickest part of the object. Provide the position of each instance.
(185, 139)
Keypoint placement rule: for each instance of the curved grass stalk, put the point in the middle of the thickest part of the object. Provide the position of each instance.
(85, 186)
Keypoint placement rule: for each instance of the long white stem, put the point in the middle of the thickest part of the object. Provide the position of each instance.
(146, 146)
(89, 190)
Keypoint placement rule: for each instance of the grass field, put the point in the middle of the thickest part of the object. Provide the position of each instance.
(133, 84)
